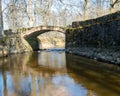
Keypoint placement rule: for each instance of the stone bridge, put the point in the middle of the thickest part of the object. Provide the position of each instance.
(35, 31)
(30, 34)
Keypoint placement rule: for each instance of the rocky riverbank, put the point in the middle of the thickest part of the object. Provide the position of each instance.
(105, 55)
(98, 38)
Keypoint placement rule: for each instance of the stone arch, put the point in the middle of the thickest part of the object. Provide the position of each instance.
(31, 35)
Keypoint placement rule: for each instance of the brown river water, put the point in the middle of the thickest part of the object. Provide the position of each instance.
(54, 73)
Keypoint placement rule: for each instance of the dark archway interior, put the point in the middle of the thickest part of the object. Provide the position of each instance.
(32, 38)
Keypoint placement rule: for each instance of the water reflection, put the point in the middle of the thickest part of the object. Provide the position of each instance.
(100, 79)
(52, 60)
(46, 74)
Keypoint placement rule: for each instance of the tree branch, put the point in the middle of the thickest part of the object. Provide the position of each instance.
(116, 1)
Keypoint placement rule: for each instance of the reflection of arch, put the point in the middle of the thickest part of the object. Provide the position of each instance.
(31, 34)
(52, 61)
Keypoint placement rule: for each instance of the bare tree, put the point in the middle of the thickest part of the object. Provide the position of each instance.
(86, 11)
(63, 17)
(29, 13)
(114, 2)
(1, 20)
(15, 14)
(114, 5)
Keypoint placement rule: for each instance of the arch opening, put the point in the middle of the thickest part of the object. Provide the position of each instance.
(46, 39)
(51, 39)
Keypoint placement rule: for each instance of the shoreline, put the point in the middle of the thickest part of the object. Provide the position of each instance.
(103, 55)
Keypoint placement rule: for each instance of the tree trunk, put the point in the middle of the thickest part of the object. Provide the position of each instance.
(1, 20)
(30, 13)
(114, 5)
(87, 6)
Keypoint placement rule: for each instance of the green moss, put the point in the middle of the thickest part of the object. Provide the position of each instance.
(75, 29)
(72, 29)
(21, 29)
(79, 27)
(3, 40)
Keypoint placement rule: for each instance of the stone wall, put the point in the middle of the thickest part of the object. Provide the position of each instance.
(13, 43)
(102, 33)
(16, 44)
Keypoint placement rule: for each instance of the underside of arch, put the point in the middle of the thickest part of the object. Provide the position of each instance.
(32, 38)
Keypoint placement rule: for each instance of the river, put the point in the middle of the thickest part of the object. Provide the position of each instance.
(54, 73)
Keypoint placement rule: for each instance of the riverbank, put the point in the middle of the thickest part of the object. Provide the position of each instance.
(97, 38)
(104, 55)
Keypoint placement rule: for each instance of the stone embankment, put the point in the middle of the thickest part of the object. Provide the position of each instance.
(97, 38)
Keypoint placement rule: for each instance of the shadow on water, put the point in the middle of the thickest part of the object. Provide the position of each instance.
(52, 73)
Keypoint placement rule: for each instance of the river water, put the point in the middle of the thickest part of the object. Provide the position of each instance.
(54, 73)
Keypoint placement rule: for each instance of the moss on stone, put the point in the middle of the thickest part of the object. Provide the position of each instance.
(21, 29)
